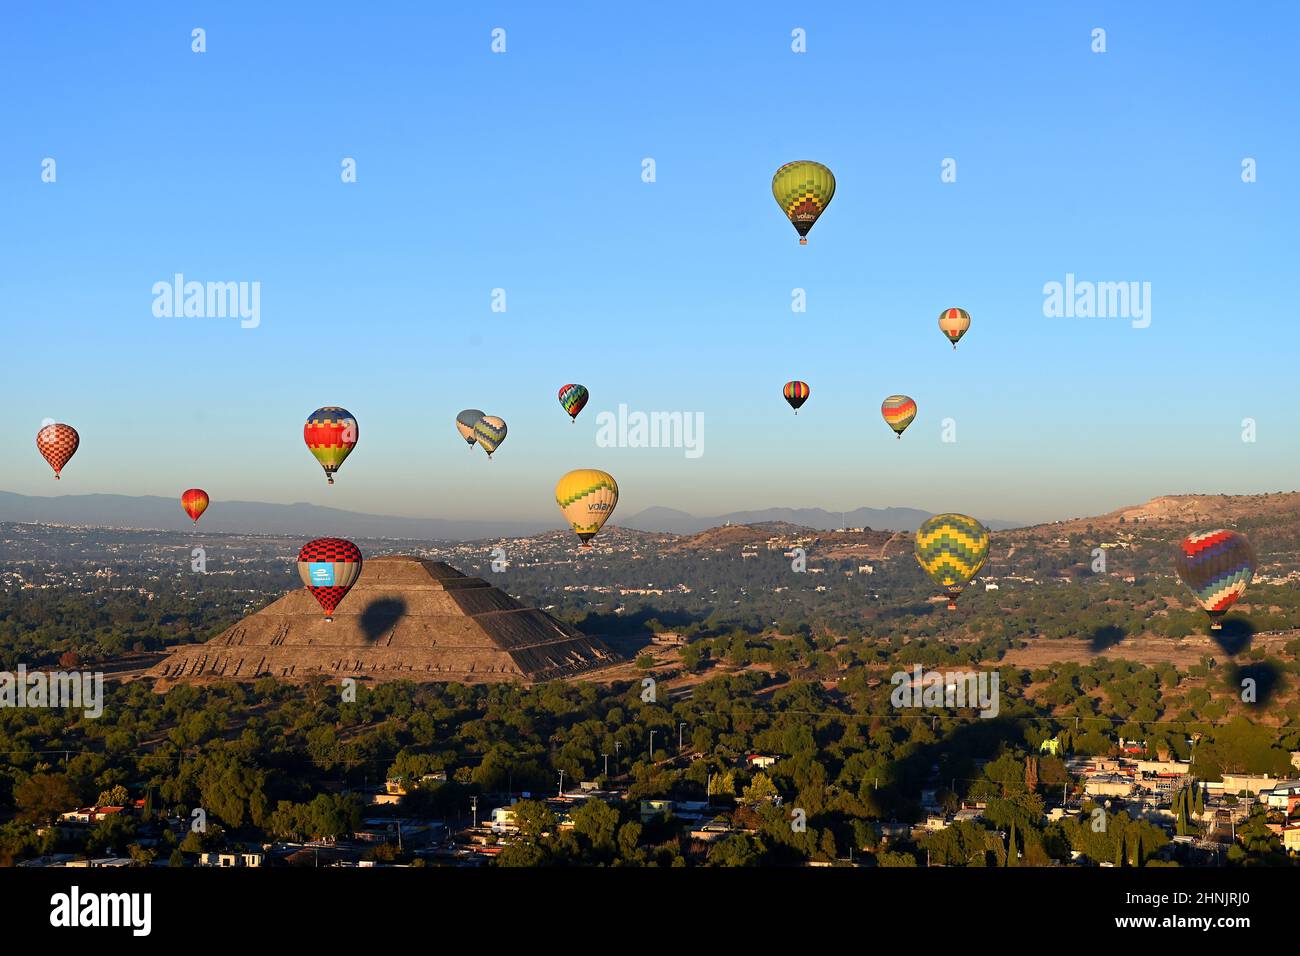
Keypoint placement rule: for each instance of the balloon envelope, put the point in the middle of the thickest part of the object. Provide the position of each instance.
(586, 497)
(195, 502)
(329, 567)
(573, 399)
(898, 412)
(953, 323)
(57, 443)
(952, 548)
(1216, 566)
(796, 393)
(803, 189)
(331, 434)
(490, 432)
(465, 423)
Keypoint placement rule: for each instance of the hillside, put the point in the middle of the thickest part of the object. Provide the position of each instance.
(1137, 539)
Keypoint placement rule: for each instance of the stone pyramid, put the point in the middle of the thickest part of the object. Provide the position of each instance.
(405, 619)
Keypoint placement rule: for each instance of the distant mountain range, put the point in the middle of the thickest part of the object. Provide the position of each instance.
(256, 517)
(252, 517)
(878, 519)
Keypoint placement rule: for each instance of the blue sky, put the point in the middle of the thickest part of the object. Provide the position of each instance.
(522, 171)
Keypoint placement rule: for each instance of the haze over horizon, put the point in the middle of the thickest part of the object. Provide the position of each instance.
(239, 516)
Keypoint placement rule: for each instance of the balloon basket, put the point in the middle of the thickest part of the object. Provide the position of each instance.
(803, 242)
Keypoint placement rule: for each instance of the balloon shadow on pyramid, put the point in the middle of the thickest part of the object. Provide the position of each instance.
(380, 616)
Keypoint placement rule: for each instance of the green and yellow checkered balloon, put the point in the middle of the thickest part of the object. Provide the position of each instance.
(952, 548)
(803, 190)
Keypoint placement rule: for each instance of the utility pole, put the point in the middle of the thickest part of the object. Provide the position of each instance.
(473, 804)
(680, 727)
(606, 756)
(561, 793)
(652, 746)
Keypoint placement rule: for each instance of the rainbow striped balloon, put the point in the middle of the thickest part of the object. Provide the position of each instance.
(330, 433)
(796, 393)
(1216, 566)
(952, 548)
(898, 412)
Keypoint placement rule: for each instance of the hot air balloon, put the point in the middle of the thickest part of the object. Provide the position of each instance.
(465, 423)
(952, 548)
(587, 498)
(57, 443)
(573, 399)
(331, 434)
(195, 502)
(954, 323)
(803, 190)
(329, 567)
(490, 432)
(898, 412)
(1216, 566)
(796, 393)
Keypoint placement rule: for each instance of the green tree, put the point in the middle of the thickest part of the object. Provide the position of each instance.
(43, 796)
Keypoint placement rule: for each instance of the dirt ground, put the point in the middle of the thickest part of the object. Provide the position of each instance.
(1144, 650)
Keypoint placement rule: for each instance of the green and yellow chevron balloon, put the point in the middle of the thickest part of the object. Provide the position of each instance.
(952, 548)
(803, 190)
(490, 432)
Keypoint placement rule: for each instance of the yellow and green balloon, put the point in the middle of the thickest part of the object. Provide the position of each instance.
(490, 432)
(952, 548)
(803, 190)
(586, 497)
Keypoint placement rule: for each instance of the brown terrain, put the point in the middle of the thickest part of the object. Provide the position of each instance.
(405, 619)
(415, 619)
(866, 544)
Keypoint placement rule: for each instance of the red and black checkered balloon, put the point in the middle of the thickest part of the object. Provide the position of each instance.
(329, 567)
(57, 443)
